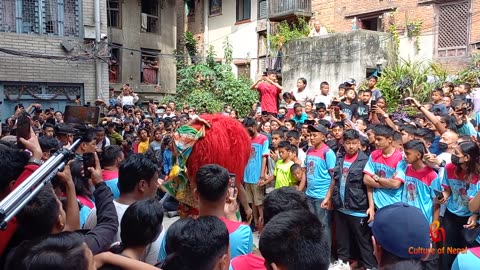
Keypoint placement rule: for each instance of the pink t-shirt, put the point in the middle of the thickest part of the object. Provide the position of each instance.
(248, 262)
(268, 97)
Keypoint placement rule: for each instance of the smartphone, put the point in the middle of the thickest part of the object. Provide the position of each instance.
(259, 109)
(373, 103)
(23, 128)
(232, 185)
(438, 194)
(88, 161)
(337, 112)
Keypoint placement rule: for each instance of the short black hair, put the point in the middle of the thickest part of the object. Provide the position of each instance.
(439, 91)
(42, 210)
(47, 125)
(293, 134)
(384, 131)
(425, 133)
(285, 145)
(212, 182)
(295, 167)
(320, 106)
(142, 223)
(303, 80)
(203, 241)
(48, 143)
(87, 136)
(323, 83)
(351, 134)
(249, 122)
(294, 240)
(416, 145)
(99, 129)
(12, 163)
(133, 169)
(278, 132)
(62, 251)
(110, 155)
(293, 149)
(409, 129)
(281, 200)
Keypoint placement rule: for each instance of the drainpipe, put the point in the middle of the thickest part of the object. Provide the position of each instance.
(205, 23)
(98, 64)
(268, 35)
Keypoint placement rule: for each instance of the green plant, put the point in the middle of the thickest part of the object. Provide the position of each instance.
(289, 31)
(209, 85)
(392, 29)
(414, 29)
(407, 78)
(471, 73)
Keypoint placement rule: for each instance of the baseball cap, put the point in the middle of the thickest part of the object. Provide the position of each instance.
(318, 128)
(350, 81)
(399, 227)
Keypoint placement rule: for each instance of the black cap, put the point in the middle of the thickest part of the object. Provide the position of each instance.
(318, 128)
(65, 129)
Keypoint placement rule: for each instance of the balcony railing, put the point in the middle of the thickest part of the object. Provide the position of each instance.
(281, 9)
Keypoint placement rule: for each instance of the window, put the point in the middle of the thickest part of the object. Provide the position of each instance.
(149, 68)
(453, 29)
(190, 6)
(114, 18)
(215, 7)
(371, 23)
(262, 44)
(243, 10)
(114, 65)
(52, 17)
(149, 18)
(243, 70)
(262, 9)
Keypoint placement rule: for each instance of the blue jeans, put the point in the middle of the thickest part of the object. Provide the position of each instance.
(325, 218)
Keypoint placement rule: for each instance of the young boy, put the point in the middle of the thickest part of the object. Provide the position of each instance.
(420, 181)
(320, 162)
(324, 96)
(347, 106)
(297, 172)
(363, 110)
(293, 137)
(353, 202)
(255, 172)
(299, 116)
(383, 167)
(282, 175)
(290, 124)
(438, 106)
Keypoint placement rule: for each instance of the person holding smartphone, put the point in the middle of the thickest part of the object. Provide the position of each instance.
(269, 91)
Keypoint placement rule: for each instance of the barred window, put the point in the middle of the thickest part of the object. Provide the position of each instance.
(150, 17)
(114, 18)
(453, 29)
(51, 17)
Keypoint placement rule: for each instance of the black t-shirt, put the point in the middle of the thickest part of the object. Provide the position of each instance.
(349, 109)
(362, 111)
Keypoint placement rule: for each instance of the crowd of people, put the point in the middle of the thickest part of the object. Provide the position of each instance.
(332, 182)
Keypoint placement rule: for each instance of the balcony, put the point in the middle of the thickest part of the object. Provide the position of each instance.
(280, 10)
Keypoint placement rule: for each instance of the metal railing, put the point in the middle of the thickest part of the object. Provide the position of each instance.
(279, 8)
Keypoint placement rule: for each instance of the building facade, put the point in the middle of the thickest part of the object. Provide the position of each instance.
(143, 41)
(48, 53)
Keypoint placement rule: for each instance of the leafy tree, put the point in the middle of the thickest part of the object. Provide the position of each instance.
(208, 85)
(289, 31)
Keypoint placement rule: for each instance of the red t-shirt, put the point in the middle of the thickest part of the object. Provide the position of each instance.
(248, 262)
(7, 234)
(268, 97)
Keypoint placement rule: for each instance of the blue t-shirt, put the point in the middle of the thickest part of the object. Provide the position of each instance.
(319, 163)
(386, 168)
(300, 119)
(113, 185)
(418, 189)
(461, 192)
(469, 260)
(347, 163)
(254, 166)
(240, 237)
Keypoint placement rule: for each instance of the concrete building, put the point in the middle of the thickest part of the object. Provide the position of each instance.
(48, 49)
(243, 22)
(48, 52)
(143, 36)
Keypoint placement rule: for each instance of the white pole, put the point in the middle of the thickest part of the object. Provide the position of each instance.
(98, 64)
(268, 35)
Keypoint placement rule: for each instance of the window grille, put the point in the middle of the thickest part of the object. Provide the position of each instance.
(51, 17)
(150, 16)
(113, 15)
(453, 29)
(7, 16)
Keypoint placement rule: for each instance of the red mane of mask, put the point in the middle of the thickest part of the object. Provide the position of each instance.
(226, 143)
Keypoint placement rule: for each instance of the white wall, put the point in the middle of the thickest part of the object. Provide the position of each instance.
(408, 50)
(243, 37)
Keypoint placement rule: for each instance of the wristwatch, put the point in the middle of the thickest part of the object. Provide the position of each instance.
(376, 178)
(35, 161)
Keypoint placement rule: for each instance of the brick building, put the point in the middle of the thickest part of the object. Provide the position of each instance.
(449, 31)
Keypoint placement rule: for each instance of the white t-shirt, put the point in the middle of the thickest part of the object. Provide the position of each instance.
(301, 97)
(127, 100)
(327, 100)
(152, 250)
(107, 143)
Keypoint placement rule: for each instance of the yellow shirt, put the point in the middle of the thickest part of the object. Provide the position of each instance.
(143, 146)
(283, 176)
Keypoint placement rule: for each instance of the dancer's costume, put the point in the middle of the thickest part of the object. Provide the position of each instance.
(218, 140)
